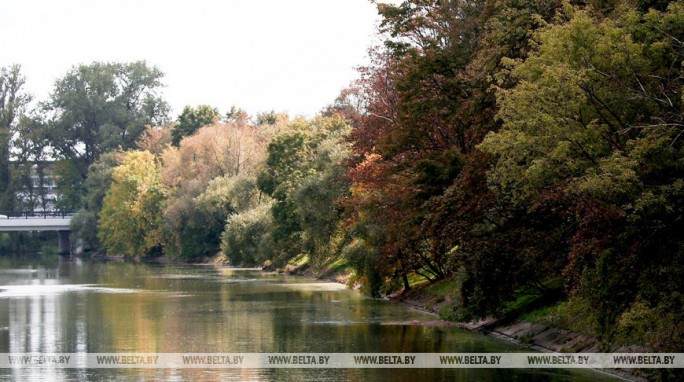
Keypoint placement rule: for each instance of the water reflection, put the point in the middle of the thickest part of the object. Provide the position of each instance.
(81, 307)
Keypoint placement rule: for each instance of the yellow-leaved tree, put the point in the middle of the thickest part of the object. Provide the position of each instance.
(130, 222)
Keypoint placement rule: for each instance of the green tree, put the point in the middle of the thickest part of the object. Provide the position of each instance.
(102, 107)
(13, 101)
(70, 186)
(299, 161)
(31, 157)
(267, 118)
(131, 219)
(246, 238)
(98, 182)
(236, 116)
(191, 120)
(603, 148)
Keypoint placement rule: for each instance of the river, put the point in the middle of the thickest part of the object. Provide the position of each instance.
(51, 306)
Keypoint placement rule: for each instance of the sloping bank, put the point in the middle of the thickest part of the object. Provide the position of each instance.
(535, 336)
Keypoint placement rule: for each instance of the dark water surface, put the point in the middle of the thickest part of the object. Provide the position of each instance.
(50, 306)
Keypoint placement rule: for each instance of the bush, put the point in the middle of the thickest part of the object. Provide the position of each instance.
(246, 241)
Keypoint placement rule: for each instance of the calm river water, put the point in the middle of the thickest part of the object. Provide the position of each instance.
(48, 306)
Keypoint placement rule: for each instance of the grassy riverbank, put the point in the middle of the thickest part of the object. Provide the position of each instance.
(336, 270)
(533, 321)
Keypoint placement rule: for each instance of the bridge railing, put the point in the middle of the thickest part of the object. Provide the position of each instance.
(36, 214)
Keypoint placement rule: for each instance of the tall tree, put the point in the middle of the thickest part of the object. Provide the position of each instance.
(414, 125)
(419, 111)
(99, 180)
(300, 175)
(130, 221)
(30, 156)
(13, 100)
(196, 174)
(604, 150)
(102, 107)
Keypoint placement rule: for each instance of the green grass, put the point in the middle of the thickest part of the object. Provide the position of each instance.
(444, 287)
(572, 315)
(299, 260)
(416, 280)
(542, 315)
(339, 265)
(442, 296)
(528, 301)
(296, 264)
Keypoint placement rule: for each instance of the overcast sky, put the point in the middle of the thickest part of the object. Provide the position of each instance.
(285, 55)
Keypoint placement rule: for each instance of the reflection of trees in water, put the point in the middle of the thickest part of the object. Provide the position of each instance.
(188, 309)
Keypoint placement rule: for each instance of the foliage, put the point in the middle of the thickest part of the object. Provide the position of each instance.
(267, 118)
(191, 120)
(70, 186)
(131, 221)
(363, 259)
(102, 107)
(236, 115)
(302, 178)
(13, 101)
(421, 108)
(490, 149)
(28, 243)
(155, 139)
(604, 140)
(99, 180)
(579, 176)
(30, 158)
(208, 178)
(246, 239)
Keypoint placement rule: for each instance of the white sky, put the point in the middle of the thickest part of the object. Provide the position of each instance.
(285, 55)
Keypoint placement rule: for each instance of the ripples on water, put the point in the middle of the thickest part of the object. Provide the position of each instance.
(53, 289)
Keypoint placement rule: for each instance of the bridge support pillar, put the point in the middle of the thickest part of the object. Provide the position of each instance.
(64, 244)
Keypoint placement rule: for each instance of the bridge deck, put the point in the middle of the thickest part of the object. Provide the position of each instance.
(35, 224)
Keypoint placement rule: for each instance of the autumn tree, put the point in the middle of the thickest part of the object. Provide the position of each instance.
(131, 219)
(193, 171)
(411, 130)
(468, 223)
(603, 146)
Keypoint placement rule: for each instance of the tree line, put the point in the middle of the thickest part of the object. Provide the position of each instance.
(526, 147)
(511, 147)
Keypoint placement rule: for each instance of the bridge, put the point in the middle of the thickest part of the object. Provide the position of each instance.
(14, 221)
